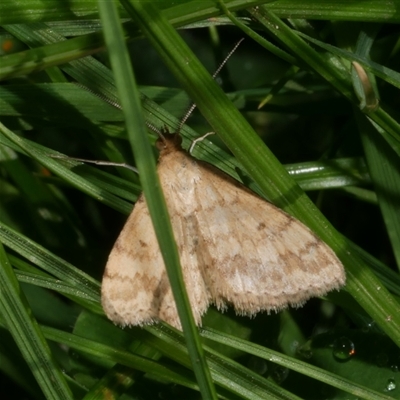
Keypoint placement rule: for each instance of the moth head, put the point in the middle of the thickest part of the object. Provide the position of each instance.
(168, 142)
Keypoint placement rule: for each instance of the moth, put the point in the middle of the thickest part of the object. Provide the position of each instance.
(235, 249)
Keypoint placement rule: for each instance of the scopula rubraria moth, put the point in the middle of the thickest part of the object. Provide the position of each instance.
(234, 247)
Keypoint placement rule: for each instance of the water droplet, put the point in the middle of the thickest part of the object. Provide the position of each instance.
(390, 385)
(279, 374)
(258, 365)
(305, 351)
(343, 348)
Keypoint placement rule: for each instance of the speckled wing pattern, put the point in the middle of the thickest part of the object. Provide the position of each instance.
(235, 248)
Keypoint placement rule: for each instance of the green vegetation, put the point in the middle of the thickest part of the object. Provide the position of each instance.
(316, 80)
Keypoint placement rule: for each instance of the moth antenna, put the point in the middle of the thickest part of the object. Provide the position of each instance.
(96, 162)
(157, 131)
(193, 106)
(227, 58)
(116, 104)
(112, 101)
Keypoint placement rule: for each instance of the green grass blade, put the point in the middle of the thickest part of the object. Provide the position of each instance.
(383, 163)
(34, 60)
(296, 365)
(255, 36)
(333, 70)
(52, 10)
(334, 173)
(113, 355)
(55, 166)
(47, 261)
(387, 74)
(384, 168)
(130, 100)
(230, 375)
(28, 336)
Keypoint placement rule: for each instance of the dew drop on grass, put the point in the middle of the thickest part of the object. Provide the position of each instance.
(258, 365)
(279, 374)
(390, 385)
(343, 348)
(304, 351)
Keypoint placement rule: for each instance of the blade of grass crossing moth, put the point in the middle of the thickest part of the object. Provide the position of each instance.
(26, 332)
(361, 283)
(130, 100)
(259, 162)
